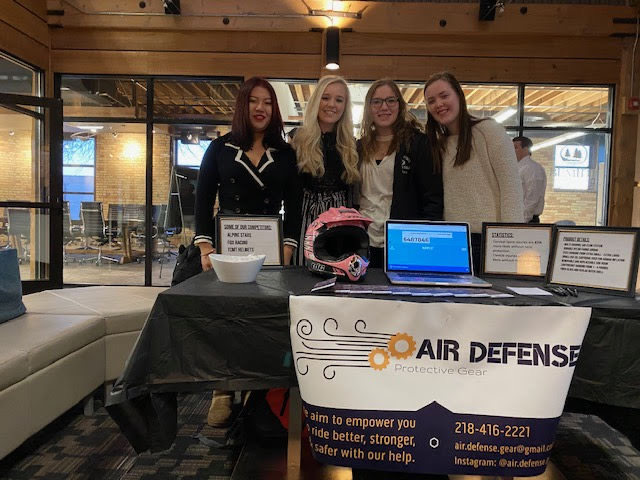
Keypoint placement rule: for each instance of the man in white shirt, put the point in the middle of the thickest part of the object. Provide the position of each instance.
(534, 180)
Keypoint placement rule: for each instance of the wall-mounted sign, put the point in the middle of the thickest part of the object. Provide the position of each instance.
(516, 249)
(571, 178)
(571, 156)
(251, 235)
(603, 259)
(571, 167)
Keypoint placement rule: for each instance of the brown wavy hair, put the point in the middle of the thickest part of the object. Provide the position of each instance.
(438, 133)
(403, 128)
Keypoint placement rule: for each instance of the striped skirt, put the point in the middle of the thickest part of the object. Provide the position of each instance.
(313, 204)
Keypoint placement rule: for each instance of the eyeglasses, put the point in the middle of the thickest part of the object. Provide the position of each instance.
(390, 101)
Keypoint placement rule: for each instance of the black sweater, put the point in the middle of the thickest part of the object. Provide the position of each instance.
(417, 189)
(243, 188)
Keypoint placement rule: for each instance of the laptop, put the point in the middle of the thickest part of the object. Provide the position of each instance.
(429, 253)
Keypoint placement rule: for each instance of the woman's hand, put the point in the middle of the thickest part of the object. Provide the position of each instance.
(205, 261)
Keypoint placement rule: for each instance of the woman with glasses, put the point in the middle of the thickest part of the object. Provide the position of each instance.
(399, 179)
(326, 152)
(479, 166)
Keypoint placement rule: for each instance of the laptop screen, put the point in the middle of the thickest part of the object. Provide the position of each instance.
(427, 247)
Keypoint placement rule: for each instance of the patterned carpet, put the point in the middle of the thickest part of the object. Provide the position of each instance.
(79, 447)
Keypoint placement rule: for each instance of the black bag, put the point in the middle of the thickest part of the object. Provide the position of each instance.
(187, 264)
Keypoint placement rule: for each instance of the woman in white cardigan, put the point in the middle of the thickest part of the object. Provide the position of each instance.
(479, 169)
(479, 166)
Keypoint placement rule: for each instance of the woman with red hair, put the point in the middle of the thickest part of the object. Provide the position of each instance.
(253, 171)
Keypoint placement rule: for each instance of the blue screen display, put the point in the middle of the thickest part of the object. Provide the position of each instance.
(427, 248)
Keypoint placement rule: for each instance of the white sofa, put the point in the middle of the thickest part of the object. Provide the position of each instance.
(68, 344)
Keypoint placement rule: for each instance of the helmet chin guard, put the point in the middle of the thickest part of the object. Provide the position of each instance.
(336, 244)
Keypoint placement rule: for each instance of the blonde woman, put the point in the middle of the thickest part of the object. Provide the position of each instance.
(398, 177)
(326, 152)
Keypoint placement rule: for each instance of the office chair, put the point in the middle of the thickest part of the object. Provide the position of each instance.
(19, 228)
(93, 227)
(67, 233)
(114, 222)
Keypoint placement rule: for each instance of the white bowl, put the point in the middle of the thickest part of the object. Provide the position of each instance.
(236, 268)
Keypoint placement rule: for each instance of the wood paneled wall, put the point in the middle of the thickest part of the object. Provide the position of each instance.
(496, 58)
(24, 32)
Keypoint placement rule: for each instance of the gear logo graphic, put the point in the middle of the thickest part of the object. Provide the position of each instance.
(401, 346)
(378, 359)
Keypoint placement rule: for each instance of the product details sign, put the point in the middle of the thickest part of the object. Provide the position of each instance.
(434, 388)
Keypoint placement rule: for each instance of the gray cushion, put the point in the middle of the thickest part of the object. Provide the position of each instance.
(125, 309)
(48, 338)
(14, 366)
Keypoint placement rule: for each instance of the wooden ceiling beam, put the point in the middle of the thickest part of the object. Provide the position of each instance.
(377, 17)
(214, 92)
(203, 94)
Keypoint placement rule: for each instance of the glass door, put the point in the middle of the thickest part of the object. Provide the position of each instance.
(31, 213)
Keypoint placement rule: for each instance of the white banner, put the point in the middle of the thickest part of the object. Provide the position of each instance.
(434, 387)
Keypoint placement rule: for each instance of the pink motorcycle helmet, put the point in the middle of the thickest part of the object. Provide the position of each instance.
(336, 243)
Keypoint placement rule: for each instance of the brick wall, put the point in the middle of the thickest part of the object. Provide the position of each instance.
(16, 181)
(120, 168)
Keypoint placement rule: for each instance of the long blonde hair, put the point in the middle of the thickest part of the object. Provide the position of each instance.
(308, 139)
(403, 127)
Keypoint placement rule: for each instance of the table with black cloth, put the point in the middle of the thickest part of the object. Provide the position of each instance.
(204, 334)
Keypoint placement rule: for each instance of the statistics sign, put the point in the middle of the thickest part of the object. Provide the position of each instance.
(434, 388)
(516, 249)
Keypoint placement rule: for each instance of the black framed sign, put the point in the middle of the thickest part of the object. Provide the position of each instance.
(600, 259)
(251, 235)
(516, 249)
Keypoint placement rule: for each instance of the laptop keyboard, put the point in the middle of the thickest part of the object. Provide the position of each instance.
(435, 277)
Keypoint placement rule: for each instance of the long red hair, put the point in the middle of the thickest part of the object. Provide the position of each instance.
(241, 129)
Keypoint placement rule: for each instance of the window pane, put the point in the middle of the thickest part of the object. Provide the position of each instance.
(176, 162)
(497, 101)
(293, 96)
(104, 97)
(78, 179)
(26, 173)
(18, 78)
(212, 100)
(565, 106)
(104, 203)
(27, 230)
(191, 155)
(78, 150)
(576, 164)
(75, 200)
